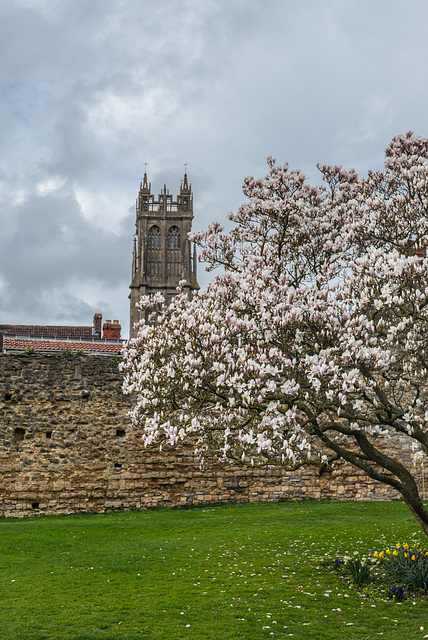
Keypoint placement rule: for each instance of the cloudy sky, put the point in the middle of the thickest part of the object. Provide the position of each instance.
(90, 90)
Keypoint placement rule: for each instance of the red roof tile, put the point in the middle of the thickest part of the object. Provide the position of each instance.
(95, 346)
(47, 331)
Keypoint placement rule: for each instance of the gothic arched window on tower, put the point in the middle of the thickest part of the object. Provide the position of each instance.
(154, 241)
(154, 246)
(174, 252)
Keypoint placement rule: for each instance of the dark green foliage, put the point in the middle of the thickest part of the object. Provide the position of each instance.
(407, 566)
(359, 572)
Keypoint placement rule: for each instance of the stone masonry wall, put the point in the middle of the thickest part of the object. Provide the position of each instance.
(66, 446)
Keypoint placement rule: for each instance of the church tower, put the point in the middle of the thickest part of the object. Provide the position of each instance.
(162, 254)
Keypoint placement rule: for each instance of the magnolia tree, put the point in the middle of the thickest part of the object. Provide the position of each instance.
(312, 344)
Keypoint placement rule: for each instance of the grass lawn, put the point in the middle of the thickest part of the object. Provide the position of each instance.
(211, 573)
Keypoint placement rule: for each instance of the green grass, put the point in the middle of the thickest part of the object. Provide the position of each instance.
(214, 573)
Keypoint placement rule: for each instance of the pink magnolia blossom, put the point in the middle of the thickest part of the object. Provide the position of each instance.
(311, 345)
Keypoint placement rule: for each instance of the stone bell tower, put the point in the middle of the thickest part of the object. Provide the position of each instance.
(162, 254)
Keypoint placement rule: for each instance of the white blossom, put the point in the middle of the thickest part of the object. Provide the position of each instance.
(315, 333)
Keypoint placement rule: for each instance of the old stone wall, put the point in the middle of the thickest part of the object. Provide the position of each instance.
(66, 446)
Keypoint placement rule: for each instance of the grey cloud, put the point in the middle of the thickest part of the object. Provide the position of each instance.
(90, 91)
(52, 247)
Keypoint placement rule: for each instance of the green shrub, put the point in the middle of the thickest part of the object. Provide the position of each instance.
(67, 353)
(406, 565)
(359, 572)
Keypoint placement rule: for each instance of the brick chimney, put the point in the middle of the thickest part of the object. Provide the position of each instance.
(98, 317)
(111, 330)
